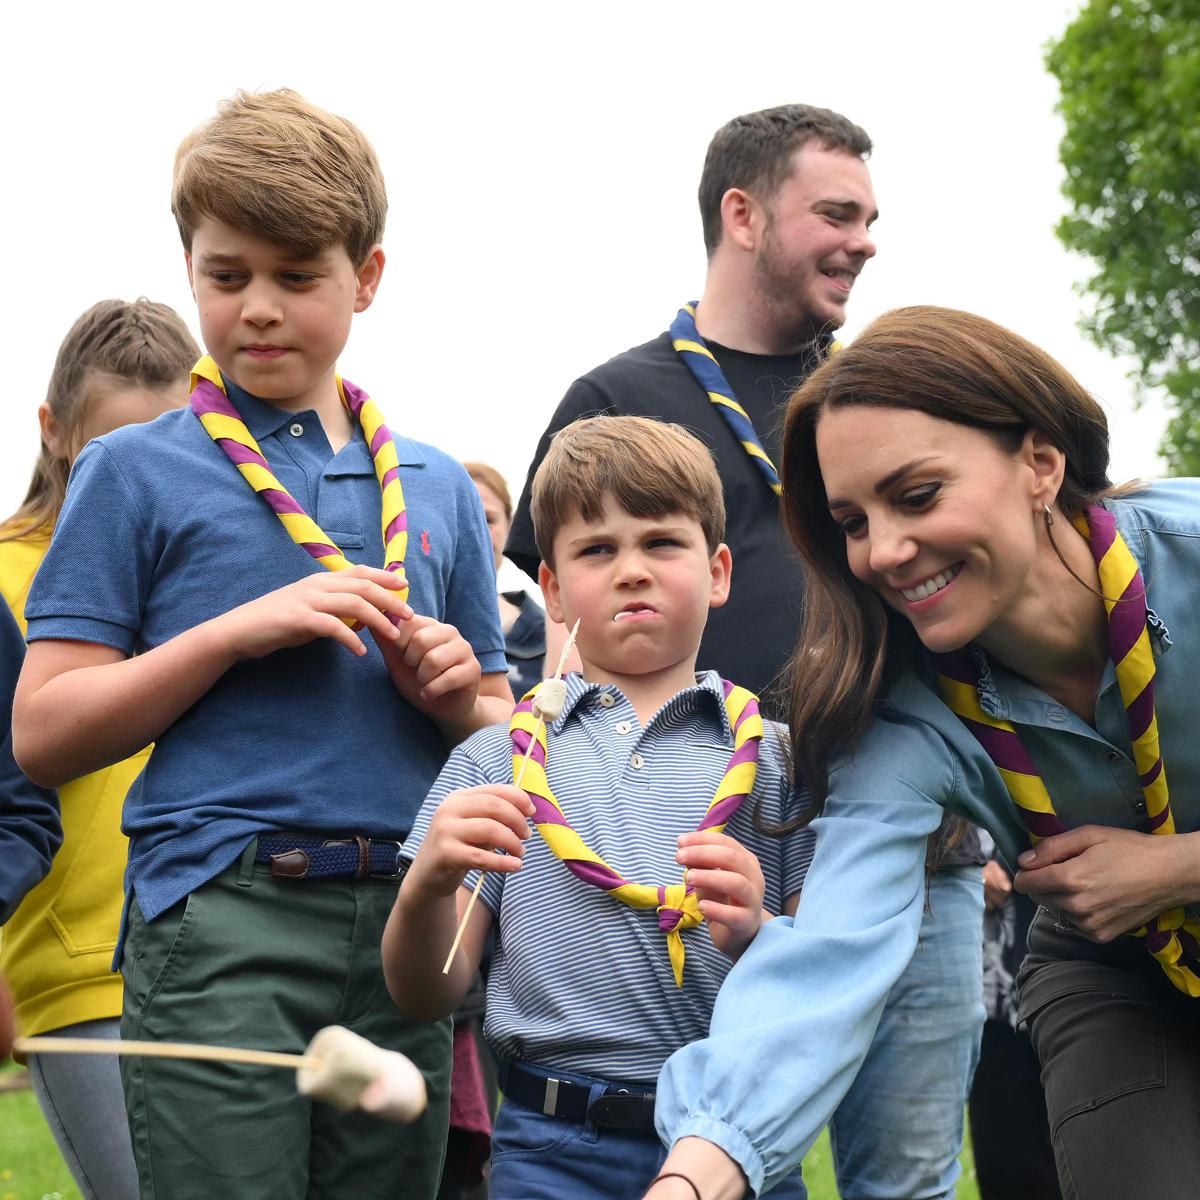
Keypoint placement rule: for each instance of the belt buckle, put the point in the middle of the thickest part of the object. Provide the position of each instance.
(550, 1099)
(401, 866)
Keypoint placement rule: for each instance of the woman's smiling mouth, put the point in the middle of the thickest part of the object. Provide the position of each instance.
(934, 584)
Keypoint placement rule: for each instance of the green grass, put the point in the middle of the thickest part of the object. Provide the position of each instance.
(31, 1168)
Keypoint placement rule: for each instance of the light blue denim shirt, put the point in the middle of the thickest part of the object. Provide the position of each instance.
(796, 1015)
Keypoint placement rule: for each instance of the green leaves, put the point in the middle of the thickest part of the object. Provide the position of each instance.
(1129, 74)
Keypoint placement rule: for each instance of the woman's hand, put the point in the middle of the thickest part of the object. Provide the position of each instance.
(997, 885)
(1111, 881)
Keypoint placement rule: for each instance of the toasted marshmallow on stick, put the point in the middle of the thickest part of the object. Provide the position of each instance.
(338, 1066)
(550, 699)
(347, 1071)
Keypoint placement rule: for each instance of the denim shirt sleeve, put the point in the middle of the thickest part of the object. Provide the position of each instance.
(796, 1015)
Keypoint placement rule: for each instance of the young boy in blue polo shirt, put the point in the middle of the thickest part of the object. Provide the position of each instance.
(217, 585)
(587, 995)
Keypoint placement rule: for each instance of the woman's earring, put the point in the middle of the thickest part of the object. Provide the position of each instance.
(1049, 515)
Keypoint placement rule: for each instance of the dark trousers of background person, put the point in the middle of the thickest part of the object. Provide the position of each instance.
(1120, 1054)
(1010, 1132)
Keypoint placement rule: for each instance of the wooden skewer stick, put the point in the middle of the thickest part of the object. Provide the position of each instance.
(66, 1045)
(462, 925)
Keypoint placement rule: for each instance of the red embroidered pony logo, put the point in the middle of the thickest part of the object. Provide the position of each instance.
(425, 546)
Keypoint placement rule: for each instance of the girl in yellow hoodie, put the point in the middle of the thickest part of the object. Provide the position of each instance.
(120, 363)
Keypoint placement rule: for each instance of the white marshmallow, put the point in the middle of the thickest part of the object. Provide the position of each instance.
(354, 1073)
(550, 699)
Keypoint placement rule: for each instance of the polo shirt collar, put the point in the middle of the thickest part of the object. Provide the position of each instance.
(263, 420)
(708, 692)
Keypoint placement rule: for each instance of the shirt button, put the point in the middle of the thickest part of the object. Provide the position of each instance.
(296, 429)
(1140, 806)
(623, 726)
(1057, 714)
(607, 700)
(1113, 756)
(636, 761)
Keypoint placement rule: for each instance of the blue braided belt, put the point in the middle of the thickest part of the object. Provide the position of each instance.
(306, 856)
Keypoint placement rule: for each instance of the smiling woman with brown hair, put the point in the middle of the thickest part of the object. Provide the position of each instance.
(990, 629)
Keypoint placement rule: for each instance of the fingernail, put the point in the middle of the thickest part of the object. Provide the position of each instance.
(1026, 858)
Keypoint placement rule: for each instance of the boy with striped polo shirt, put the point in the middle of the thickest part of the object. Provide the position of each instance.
(629, 789)
(232, 582)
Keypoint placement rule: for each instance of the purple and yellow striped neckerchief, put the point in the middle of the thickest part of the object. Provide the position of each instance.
(676, 904)
(1171, 937)
(224, 425)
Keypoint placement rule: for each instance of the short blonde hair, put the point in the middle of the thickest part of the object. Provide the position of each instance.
(493, 481)
(650, 468)
(276, 166)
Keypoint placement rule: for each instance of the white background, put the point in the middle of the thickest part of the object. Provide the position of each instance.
(542, 162)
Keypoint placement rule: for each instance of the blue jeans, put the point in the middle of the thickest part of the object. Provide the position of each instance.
(535, 1157)
(898, 1132)
(80, 1096)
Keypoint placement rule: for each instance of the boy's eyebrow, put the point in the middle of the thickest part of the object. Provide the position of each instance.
(214, 258)
(211, 259)
(891, 478)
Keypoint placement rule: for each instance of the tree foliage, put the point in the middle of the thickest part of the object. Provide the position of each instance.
(1129, 74)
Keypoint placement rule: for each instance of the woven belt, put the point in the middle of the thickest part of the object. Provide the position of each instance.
(622, 1106)
(305, 856)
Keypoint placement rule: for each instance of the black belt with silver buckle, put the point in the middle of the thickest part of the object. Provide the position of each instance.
(629, 1107)
(309, 856)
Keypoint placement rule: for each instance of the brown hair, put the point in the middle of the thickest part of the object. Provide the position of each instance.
(650, 468)
(953, 366)
(494, 481)
(754, 152)
(113, 344)
(276, 166)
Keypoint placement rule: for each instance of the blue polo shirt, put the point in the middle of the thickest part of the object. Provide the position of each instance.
(160, 533)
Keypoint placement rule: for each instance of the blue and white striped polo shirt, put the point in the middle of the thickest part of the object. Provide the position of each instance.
(580, 981)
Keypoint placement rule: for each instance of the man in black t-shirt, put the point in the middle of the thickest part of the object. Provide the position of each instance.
(787, 205)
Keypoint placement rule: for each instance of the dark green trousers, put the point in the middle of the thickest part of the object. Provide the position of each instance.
(249, 960)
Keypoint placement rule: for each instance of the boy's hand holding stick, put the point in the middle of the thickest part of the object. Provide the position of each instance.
(462, 925)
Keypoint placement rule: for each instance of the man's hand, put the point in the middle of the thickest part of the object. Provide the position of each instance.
(1111, 881)
(729, 886)
(465, 834)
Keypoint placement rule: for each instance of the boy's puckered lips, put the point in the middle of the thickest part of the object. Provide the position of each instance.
(636, 609)
(264, 350)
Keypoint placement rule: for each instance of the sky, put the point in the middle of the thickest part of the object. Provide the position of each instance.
(541, 163)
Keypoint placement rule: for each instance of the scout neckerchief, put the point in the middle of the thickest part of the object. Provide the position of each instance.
(698, 358)
(676, 904)
(224, 425)
(1170, 937)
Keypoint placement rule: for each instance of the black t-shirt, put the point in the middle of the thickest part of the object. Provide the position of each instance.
(750, 639)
